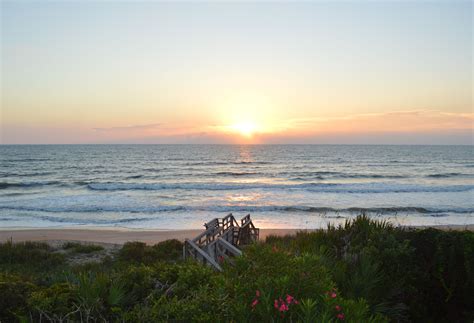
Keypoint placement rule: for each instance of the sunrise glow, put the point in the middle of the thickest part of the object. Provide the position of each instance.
(308, 76)
(246, 129)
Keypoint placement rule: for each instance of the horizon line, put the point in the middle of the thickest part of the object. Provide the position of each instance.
(217, 144)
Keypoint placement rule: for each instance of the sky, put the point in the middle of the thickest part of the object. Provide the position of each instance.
(356, 72)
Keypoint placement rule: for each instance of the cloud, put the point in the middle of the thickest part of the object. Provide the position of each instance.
(129, 128)
(397, 127)
(413, 121)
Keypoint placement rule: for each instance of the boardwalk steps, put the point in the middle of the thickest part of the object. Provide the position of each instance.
(221, 240)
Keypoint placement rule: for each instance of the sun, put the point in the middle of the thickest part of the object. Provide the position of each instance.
(246, 129)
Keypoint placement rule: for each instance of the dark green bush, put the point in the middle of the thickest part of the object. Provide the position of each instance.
(443, 276)
(367, 259)
(28, 257)
(55, 303)
(14, 295)
(362, 271)
(420, 275)
(139, 281)
(82, 248)
(139, 252)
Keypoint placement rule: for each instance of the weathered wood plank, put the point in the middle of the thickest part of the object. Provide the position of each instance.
(229, 247)
(204, 255)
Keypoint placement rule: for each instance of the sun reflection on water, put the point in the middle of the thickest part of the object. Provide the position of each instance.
(241, 198)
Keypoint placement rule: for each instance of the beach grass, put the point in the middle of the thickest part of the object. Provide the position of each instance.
(77, 247)
(362, 271)
(140, 252)
(28, 257)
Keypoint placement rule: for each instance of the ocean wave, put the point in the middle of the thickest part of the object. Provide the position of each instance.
(221, 163)
(371, 176)
(312, 187)
(241, 208)
(93, 209)
(372, 187)
(134, 176)
(25, 174)
(251, 162)
(234, 174)
(332, 175)
(24, 160)
(355, 176)
(351, 210)
(22, 193)
(446, 175)
(306, 178)
(5, 185)
(79, 221)
(310, 173)
(206, 163)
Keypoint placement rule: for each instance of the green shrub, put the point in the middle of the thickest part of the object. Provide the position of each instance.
(443, 278)
(362, 271)
(422, 275)
(98, 296)
(139, 281)
(366, 259)
(272, 284)
(188, 292)
(82, 248)
(55, 303)
(169, 250)
(28, 257)
(139, 252)
(199, 306)
(14, 295)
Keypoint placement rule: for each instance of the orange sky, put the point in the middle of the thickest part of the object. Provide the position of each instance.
(151, 72)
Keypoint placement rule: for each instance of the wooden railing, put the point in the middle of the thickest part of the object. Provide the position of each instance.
(193, 250)
(248, 233)
(220, 240)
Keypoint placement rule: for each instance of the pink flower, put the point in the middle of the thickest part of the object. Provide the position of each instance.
(290, 299)
(280, 305)
(340, 316)
(254, 303)
(333, 295)
(283, 307)
(338, 308)
(257, 293)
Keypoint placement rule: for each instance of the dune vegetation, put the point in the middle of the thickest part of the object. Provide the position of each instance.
(363, 271)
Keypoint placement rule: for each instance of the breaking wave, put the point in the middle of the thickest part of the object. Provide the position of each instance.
(236, 208)
(28, 184)
(313, 187)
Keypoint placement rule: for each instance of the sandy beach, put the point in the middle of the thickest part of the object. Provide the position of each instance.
(114, 236)
(149, 237)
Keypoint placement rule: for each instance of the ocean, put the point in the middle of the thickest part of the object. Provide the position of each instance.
(281, 186)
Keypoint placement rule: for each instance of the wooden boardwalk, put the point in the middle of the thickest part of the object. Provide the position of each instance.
(221, 240)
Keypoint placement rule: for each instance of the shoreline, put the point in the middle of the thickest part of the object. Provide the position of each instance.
(117, 236)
